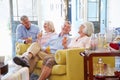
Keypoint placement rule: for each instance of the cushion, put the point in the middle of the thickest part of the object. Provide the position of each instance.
(60, 56)
(39, 64)
(59, 69)
(21, 48)
(114, 47)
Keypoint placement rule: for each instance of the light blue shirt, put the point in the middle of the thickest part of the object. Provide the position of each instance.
(55, 43)
(22, 32)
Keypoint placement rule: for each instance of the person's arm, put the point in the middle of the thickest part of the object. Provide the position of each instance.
(39, 35)
(65, 42)
(87, 43)
(19, 35)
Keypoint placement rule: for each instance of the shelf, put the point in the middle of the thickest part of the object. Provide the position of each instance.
(103, 54)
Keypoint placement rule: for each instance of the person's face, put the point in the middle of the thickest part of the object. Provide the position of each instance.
(81, 30)
(26, 23)
(46, 27)
(66, 28)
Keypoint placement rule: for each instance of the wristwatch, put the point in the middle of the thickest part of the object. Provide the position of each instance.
(24, 41)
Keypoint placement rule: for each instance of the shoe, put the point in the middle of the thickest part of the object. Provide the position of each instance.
(21, 61)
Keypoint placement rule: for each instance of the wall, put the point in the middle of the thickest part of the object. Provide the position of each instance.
(50, 10)
(76, 18)
(113, 13)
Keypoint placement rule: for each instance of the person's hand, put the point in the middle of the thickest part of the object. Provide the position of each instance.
(47, 50)
(39, 35)
(28, 40)
(64, 42)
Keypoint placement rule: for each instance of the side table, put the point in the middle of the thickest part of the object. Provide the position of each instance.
(16, 72)
(103, 54)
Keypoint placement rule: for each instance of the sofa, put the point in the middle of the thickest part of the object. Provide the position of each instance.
(70, 65)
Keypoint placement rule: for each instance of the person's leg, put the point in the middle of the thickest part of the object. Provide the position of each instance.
(33, 63)
(22, 60)
(42, 54)
(47, 68)
(32, 51)
(46, 71)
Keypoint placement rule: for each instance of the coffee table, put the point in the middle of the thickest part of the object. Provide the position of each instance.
(16, 72)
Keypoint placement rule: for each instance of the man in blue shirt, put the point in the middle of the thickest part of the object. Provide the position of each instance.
(26, 32)
(54, 43)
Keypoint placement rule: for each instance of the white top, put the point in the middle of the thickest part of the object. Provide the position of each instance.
(80, 42)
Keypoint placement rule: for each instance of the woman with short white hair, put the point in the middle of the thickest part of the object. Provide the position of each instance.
(86, 29)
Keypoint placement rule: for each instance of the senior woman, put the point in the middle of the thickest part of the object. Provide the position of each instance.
(82, 41)
(49, 32)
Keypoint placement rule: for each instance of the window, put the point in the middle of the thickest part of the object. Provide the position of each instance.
(94, 13)
(79, 9)
(25, 7)
(93, 10)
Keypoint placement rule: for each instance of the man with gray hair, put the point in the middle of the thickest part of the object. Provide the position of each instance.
(26, 32)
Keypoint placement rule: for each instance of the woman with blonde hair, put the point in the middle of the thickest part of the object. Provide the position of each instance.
(49, 31)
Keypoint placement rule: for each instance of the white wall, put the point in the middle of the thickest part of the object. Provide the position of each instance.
(47, 11)
(76, 22)
(113, 13)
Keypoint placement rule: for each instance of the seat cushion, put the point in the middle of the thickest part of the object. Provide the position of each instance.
(59, 69)
(39, 64)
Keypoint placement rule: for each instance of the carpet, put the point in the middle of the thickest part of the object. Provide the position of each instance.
(34, 77)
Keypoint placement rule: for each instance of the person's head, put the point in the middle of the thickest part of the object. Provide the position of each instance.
(49, 26)
(25, 21)
(86, 28)
(66, 28)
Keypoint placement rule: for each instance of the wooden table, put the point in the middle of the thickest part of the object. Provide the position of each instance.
(102, 54)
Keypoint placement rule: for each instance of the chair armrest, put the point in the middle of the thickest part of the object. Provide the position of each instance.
(75, 64)
(60, 57)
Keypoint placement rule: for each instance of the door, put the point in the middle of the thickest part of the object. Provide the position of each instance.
(97, 10)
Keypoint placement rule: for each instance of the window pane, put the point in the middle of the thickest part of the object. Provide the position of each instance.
(15, 7)
(25, 7)
(93, 0)
(93, 11)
